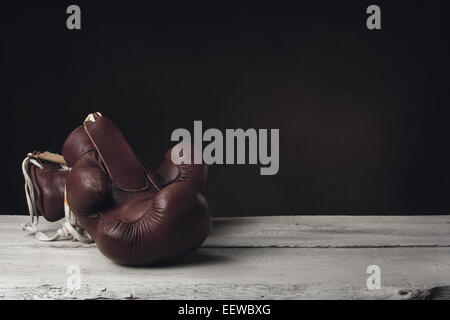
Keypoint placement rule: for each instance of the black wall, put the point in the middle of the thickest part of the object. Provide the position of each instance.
(362, 114)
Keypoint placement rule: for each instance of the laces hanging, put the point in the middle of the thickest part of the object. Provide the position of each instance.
(69, 230)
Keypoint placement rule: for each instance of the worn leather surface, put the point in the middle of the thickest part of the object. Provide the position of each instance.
(48, 185)
(136, 216)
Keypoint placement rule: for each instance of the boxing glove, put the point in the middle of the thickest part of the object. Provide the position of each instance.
(135, 215)
(44, 187)
(45, 179)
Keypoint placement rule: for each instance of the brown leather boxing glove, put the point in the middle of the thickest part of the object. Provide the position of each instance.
(45, 179)
(44, 186)
(135, 215)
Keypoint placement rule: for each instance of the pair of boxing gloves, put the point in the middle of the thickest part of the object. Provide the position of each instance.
(134, 214)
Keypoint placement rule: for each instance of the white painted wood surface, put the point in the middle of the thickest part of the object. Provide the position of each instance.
(282, 257)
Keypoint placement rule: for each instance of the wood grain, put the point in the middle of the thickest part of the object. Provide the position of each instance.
(288, 257)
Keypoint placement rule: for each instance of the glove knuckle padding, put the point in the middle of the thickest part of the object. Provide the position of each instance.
(135, 216)
(195, 174)
(88, 186)
(76, 145)
(173, 223)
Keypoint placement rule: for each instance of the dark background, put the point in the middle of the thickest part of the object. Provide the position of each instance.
(363, 115)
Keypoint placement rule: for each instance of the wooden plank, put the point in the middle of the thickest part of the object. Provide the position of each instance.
(290, 231)
(331, 231)
(221, 273)
(289, 257)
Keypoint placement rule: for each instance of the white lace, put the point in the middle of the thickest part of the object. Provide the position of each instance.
(69, 230)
